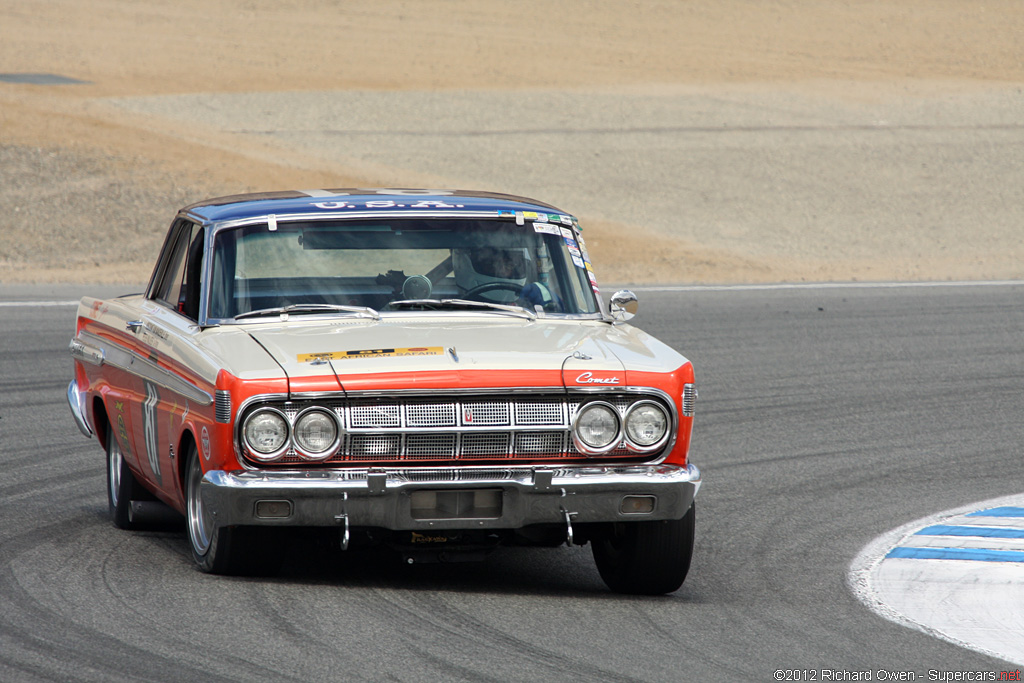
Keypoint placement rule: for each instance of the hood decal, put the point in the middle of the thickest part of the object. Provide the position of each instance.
(371, 353)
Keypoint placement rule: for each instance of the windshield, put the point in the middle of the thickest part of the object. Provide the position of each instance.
(400, 264)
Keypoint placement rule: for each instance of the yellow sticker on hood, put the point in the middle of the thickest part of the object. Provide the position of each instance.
(372, 353)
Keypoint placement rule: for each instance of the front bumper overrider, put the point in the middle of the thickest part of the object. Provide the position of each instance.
(394, 498)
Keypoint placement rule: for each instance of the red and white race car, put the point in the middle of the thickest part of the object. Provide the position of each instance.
(433, 371)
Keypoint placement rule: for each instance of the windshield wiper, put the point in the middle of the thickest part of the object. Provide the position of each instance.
(454, 304)
(360, 311)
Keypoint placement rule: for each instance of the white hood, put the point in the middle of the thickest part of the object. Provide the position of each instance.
(514, 352)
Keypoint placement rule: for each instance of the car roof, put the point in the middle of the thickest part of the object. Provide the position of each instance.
(301, 203)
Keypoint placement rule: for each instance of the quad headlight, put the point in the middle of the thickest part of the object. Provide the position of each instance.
(646, 425)
(316, 434)
(597, 428)
(266, 434)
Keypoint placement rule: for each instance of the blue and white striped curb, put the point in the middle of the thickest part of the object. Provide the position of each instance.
(993, 535)
(976, 600)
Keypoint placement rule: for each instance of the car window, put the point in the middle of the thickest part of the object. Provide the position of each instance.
(182, 273)
(374, 263)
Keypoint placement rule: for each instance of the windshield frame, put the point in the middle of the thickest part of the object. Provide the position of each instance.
(216, 229)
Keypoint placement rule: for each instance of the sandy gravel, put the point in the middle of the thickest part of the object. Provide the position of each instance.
(794, 140)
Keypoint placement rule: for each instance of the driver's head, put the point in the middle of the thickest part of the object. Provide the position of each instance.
(476, 267)
(503, 264)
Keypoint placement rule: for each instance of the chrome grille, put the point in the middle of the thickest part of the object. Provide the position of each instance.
(430, 415)
(489, 413)
(375, 415)
(540, 412)
(374, 446)
(447, 430)
(488, 444)
(430, 446)
(539, 443)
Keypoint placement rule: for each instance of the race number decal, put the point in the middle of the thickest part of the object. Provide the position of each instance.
(149, 428)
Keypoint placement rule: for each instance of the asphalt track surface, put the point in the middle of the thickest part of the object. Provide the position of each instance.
(826, 417)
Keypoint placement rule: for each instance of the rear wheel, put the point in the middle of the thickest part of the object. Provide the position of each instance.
(122, 486)
(645, 558)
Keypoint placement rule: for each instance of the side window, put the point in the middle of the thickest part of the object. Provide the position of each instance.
(178, 286)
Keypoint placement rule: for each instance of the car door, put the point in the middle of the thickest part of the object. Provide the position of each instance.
(161, 390)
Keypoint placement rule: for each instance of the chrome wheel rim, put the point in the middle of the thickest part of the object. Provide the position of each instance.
(199, 524)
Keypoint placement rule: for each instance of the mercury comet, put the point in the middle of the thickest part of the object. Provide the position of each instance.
(435, 372)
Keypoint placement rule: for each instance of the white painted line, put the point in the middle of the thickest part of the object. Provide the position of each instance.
(966, 542)
(35, 304)
(974, 604)
(715, 288)
(825, 285)
(1005, 522)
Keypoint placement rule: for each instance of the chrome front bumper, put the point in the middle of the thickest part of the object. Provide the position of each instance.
(385, 497)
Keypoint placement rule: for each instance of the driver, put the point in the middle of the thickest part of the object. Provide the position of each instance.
(504, 269)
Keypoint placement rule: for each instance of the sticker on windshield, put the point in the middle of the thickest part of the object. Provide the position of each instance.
(578, 261)
(583, 249)
(547, 228)
(372, 353)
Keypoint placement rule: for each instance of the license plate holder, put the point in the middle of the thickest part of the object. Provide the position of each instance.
(445, 504)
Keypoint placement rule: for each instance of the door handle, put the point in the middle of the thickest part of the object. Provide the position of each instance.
(133, 325)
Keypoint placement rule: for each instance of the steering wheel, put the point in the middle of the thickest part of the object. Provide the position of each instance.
(491, 286)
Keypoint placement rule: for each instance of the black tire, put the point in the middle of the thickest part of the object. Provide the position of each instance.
(215, 549)
(122, 486)
(645, 558)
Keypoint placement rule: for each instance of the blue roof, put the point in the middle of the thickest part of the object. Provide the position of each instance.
(313, 202)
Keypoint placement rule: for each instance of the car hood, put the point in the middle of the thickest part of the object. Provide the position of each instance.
(424, 353)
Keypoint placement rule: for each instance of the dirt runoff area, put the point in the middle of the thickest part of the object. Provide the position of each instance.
(709, 141)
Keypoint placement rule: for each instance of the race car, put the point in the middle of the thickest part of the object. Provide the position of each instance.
(430, 371)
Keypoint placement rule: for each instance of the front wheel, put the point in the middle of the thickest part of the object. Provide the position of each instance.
(645, 558)
(214, 548)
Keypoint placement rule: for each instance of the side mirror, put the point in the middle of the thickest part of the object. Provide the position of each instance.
(623, 305)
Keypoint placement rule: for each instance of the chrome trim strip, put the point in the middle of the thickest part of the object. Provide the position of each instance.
(86, 353)
(134, 364)
(389, 316)
(689, 399)
(222, 403)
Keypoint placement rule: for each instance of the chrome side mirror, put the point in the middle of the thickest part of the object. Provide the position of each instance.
(623, 305)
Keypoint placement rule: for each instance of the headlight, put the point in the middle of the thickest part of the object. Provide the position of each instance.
(266, 434)
(316, 434)
(596, 428)
(647, 425)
